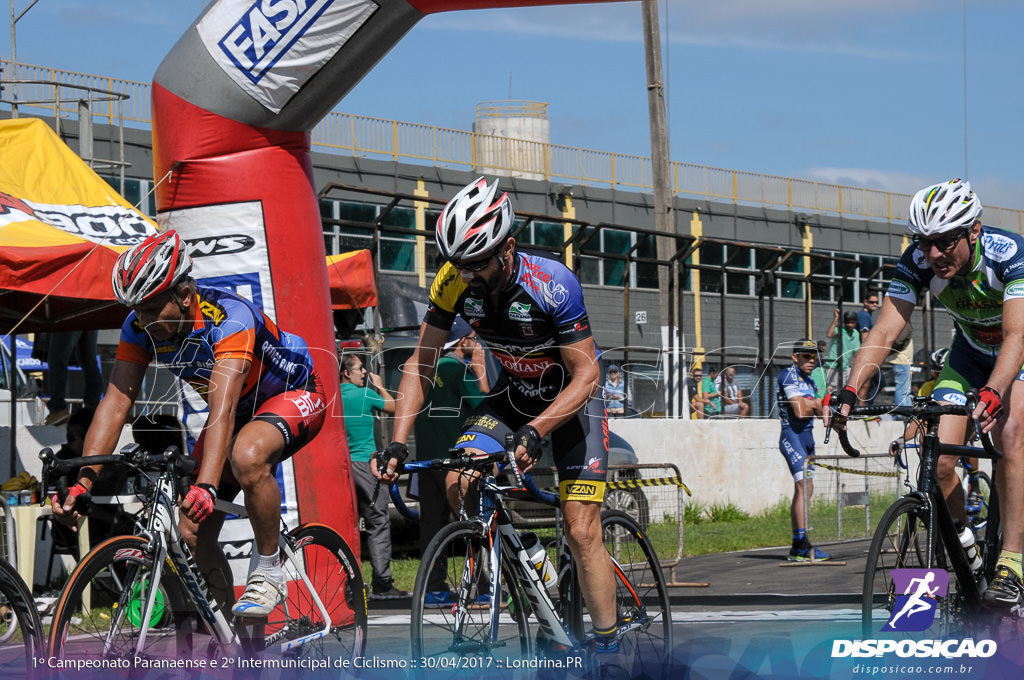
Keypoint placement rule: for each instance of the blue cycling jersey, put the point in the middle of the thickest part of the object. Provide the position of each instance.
(793, 383)
(538, 312)
(225, 326)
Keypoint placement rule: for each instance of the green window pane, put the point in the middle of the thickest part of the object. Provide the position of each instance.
(590, 271)
(646, 274)
(548, 234)
(397, 256)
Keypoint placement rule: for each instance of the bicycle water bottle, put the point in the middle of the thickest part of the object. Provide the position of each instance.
(970, 546)
(539, 558)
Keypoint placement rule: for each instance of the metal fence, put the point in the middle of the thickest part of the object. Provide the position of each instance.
(397, 140)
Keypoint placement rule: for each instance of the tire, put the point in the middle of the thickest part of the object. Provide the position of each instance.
(641, 597)
(633, 502)
(335, 575)
(900, 542)
(440, 633)
(21, 633)
(99, 613)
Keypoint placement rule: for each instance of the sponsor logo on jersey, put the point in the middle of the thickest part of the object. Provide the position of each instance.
(220, 245)
(465, 439)
(473, 307)
(520, 311)
(581, 490)
(526, 330)
(998, 248)
(211, 311)
(554, 293)
(524, 367)
(594, 465)
(919, 259)
(898, 288)
(1015, 290)
(264, 33)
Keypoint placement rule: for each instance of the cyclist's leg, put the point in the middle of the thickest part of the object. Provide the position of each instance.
(791, 446)
(1006, 590)
(964, 369)
(581, 455)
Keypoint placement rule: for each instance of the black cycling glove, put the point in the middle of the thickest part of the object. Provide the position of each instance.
(528, 437)
(396, 450)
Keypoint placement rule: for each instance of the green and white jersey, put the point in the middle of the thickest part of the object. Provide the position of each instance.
(975, 300)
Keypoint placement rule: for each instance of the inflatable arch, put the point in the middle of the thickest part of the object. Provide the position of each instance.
(233, 104)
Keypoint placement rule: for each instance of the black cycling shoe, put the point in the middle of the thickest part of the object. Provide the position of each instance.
(1006, 591)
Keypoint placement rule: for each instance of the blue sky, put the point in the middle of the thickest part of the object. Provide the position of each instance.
(869, 93)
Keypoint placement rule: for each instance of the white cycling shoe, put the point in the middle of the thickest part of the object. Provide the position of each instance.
(262, 594)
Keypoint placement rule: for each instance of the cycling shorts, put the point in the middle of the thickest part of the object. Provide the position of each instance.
(965, 368)
(297, 414)
(580, 445)
(795, 448)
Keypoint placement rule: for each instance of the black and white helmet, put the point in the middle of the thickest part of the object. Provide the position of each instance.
(944, 207)
(474, 223)
(938, 358)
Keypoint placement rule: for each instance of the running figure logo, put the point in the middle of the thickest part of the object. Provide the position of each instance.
(914, 610)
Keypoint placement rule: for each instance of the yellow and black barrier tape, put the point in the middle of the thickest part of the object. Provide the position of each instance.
(851, 471)
(639, 483)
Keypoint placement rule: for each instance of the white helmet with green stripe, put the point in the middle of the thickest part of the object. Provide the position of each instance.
(944, 207)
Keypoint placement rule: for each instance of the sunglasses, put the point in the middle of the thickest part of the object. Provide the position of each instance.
(944, 245)
(472, 267)
(807, 356)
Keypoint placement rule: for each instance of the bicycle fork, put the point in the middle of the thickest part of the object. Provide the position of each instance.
(291, 558)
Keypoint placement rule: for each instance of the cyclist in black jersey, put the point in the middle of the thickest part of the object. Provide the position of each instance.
(977, 273)
(529, 311)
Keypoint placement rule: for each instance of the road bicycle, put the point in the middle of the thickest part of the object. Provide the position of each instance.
(21, 632)
(491, 588)
(918, 531)
(142, 597)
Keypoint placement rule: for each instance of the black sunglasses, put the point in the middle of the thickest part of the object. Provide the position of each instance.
(944, 244)
(472, 267)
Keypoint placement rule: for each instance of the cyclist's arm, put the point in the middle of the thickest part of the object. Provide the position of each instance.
(417, 379)
(894, 316)
(805, 407)
(113, 410)
(389, 401)
(226, 381)
(1011, 354)
(580, 359)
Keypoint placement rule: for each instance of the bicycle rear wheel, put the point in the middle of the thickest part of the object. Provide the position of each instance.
(21, 633)
(901, 542)
(641, 596)
(334, 573)
(453, 618)
(100, 613)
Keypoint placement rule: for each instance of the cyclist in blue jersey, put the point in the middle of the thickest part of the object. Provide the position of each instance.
(529, 311)
(798, 405)
(265, 403)
(977, 273)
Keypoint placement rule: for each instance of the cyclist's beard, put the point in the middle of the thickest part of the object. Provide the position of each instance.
(481, 285)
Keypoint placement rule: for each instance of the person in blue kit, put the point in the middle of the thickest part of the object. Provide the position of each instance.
(265, 403)
(797, 407)
(529, 310)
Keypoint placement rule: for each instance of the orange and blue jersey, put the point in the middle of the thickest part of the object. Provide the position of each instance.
(226, 326)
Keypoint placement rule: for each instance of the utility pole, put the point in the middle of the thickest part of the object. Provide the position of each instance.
(663, 215)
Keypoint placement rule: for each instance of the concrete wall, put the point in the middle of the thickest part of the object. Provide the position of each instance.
(738, 461)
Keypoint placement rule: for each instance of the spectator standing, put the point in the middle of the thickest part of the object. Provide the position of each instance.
(460, 384)
(818, 374)
(797, 408)
(845, 343)
(615, 392)
(901, 357)
(732, 395)
(62, 345)
(865, 320)
(359, 403)
(693, 389)
(712, 398)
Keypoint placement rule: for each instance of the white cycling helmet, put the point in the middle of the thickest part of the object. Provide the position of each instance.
(944, 207)
(149, 268)
(938, 358)
(474, 223)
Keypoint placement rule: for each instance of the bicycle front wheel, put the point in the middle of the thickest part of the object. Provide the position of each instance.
(453, 610)
(641, 596)
(21, 633)
(335, 577)
(104, 613)
(901, 542)
(981, 492)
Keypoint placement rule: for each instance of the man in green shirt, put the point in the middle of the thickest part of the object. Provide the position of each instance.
(359, 402)
(713, 405)
(459, 384)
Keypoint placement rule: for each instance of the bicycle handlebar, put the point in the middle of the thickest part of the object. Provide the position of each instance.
(925, 409)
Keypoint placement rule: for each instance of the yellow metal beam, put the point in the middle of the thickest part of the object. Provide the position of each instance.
(421, 224)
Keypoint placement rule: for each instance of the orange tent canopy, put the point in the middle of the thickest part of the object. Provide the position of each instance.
(350, 276)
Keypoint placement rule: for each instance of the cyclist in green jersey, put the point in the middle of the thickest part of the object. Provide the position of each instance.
(977, 273)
